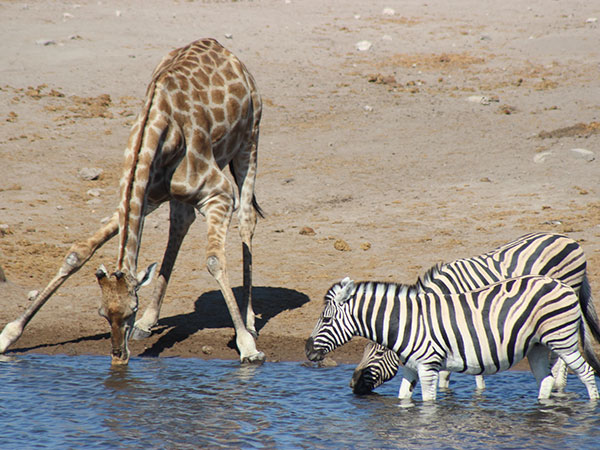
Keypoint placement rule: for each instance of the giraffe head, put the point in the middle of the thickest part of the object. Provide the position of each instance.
(119, 304)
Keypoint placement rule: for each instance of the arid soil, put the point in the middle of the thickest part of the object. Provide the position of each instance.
(452, 134)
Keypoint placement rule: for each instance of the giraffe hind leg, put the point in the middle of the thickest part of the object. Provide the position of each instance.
(182, 216)
(244, 173)
(218, 211)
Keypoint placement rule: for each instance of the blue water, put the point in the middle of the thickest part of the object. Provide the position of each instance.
(76, 402)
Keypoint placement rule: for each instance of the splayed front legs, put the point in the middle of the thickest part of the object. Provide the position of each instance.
(77, 256)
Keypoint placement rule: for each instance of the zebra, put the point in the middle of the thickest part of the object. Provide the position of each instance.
(478, 332)
(549, 254)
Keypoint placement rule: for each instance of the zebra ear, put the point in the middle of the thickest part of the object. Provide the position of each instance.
(344, 294)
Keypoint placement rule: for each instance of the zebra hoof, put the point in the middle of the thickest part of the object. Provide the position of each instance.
(257, 359)
(139, 334)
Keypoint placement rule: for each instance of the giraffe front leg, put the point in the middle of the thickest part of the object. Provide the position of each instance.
(218, 213)
(77, 256)
(181, 218)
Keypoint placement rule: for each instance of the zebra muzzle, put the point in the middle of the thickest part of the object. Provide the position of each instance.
(311, 353)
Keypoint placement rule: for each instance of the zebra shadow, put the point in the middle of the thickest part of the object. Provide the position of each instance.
(210, 311)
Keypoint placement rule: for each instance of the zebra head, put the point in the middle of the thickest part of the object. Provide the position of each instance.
(378, 365)
(333, 327)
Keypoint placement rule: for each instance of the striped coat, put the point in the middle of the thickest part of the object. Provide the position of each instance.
(479, 332)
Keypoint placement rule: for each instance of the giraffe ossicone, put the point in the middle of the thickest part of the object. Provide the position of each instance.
(201, 114)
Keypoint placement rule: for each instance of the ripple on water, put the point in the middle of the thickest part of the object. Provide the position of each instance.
(79, 402)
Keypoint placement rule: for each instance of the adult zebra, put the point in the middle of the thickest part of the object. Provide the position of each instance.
(553, 255)
(478, 332)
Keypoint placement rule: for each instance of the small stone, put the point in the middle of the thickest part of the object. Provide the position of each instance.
(327, 362)
(591, 20)
(365, 246)
(94, 192)
(228, 36)
(583, 153)
(388, 12)
(90, 173)
(541, 157)
(341, 245)
(31, 295)
(363, 46)
(45, 42)
(307, 231)
(67, 16)
(485, 180)
(118, 13)
(207, 349)
(368, 108)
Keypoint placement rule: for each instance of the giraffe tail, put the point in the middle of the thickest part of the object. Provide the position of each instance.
(255, 204)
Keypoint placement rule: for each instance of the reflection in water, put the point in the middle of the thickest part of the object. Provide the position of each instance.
(76, 402)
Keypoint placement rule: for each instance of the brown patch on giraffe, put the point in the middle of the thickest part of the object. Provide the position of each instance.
(218, 114)
(217, 96)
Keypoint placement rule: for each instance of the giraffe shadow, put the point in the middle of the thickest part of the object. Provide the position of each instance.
(210, 311)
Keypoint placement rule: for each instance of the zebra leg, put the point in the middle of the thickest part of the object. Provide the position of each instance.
(409, 381)
(444, 379)
(428, 376)
(538, 362)
(480, 382)
(583, 370)
(559, 372)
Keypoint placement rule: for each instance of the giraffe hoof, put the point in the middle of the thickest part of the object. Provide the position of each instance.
(258, 359)
(138, 334)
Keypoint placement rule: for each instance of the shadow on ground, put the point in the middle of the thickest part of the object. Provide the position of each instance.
(211, 312)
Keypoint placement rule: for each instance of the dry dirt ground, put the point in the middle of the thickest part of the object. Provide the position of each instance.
(452, 134)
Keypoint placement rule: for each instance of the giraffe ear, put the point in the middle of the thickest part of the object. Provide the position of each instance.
(145, 276)
(345, 292)
(101, 272)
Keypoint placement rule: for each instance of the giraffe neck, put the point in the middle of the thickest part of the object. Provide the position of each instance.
(138, 160)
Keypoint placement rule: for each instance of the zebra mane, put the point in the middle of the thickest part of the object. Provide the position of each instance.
(426, 279)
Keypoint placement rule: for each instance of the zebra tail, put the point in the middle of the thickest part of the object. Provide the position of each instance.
(586, 301)
(588, 351)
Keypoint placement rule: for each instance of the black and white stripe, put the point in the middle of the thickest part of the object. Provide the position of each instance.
(547, 254)
(478, 332)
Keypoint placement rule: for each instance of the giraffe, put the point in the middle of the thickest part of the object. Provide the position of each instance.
(201, 113)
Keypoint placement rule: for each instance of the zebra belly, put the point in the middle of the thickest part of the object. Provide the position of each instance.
(482, 365)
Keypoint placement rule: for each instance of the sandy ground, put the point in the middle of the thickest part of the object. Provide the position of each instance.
(452, 134)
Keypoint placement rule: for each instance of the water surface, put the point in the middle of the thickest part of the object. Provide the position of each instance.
(175, 403)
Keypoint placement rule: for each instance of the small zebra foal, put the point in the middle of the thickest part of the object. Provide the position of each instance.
(549, 254)
(479, 332)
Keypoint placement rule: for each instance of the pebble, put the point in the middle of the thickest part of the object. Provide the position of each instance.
(588, 155)
(31, 296)
(388, 12)
(45, 42)
(207, 349)
(591, 20)
(482, 99)
(363, 46)
(307, 231)
(341, 245)
(94, 192)
(327, 362)
(541, 157)
(90, 173)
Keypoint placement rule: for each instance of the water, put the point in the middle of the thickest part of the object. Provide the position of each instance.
(74, 402)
